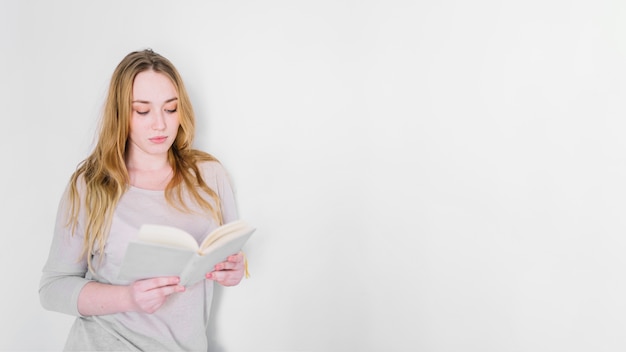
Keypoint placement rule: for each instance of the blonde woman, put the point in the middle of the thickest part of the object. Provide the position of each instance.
(143, 170)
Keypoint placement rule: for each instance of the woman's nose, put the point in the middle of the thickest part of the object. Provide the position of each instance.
(158, 122)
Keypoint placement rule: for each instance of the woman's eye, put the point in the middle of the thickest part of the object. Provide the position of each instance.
(171, 111)
(143, 112)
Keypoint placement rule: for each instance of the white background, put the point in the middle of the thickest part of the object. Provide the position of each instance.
(424, 175)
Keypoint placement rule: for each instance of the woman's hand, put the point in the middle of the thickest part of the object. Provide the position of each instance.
(145, 296)
(229, 272)
(150, 294)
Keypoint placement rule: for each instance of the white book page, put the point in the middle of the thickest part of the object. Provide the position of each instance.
(167, 235)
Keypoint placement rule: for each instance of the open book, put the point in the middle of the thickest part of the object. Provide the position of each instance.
(169, 251)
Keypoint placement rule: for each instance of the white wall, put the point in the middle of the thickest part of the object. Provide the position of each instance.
(425, 175)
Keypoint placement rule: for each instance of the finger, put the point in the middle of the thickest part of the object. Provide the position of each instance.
(228, 266)
(236, 258)
(226, 278)
(218, 275)
(168, 290)
(232, 262)
(150, 284)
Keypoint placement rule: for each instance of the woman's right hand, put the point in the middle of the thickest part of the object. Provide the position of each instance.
(148, 295)
(144, 296)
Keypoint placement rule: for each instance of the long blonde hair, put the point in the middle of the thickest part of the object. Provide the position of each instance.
(104, 172)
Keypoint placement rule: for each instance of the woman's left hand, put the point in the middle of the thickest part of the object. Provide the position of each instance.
(229, 272)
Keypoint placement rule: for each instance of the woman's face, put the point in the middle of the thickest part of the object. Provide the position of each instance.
(154, 118)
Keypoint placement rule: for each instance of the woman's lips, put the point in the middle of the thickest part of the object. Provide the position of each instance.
(158, 140)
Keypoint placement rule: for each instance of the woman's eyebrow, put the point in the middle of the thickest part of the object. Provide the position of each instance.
(147, 102)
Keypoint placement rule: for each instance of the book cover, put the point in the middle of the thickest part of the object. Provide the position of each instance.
(168, 251)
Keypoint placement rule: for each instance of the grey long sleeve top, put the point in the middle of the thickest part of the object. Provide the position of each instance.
(180, 324)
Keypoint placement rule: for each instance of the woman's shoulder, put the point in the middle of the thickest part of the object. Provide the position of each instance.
(214, 175)
(209, 166)
(76, 183)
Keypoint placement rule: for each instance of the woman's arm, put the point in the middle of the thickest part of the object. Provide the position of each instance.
(231, 271)
(63, 276)
(144, 296)
(64, 287)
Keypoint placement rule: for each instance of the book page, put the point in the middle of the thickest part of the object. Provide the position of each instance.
(215, 254)
(224, 230)
(167, 235)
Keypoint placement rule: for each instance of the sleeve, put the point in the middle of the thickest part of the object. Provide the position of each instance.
(63, 275)
(218, 179)
(227, 196)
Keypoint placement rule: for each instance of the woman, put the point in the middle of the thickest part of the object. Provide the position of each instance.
(142, 170)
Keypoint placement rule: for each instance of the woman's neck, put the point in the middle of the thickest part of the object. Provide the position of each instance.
(150, 172)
